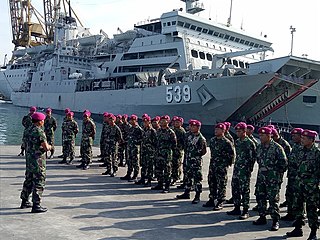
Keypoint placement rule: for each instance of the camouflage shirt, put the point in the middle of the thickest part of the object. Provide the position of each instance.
(229, 136)
(246, 154)
(113, 135)
(27, 121)
(50, 125)
(104, 131)
(88, 129)
(124, 127)
(222, 152)
(180, 134)
(149, 139)
(166, 139)
(196, 146)
(293, 164)
(286, 146)
(135, 135)
(254, 140)
(69, 130)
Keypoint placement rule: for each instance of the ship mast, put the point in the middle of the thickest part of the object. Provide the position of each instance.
(193, 6)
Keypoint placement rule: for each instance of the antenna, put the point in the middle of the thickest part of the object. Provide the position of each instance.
(293, 30)
(229, 19)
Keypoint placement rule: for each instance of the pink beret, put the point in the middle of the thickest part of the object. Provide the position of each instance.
(38, 116)
(156, 119)
(105, 114)
(147, 118)
(165, 117)
(133, 117)
(250, 127)
(67, 110)
(87, 113)
(228, 125)
(111, 116)
(33, 109)
(195, 123)
(241, 125)
(175, 118)
(310, 133)
(274, 131)
(70, 114)
(48, 110)
(124, 116)
(119, 116)
(297, 131)
(271, 126)
(190, 121)
(265, 130)
(180, 119)
(221, 126)
(144, 115)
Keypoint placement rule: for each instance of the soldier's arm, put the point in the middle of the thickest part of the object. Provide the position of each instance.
(46, 146)
(55, 124)
(282, 160)
(204, 147)
(231, 152)
(174, 140)
(253, 156)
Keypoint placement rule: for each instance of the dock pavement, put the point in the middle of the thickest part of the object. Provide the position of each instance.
(87, 205)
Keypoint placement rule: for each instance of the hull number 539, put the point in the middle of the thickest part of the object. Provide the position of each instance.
(178, 93)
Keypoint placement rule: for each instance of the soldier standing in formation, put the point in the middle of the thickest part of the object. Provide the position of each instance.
(222, 157)
(167, 141)
(272, 164)
(66, 111)
(123, 145)
(134, 143)
(148, 149)
(178, 151)
(50, 126)
(245, 159)
(250, 131)
(35, 176)
(69, 132)
(104, 134)
(227, 133)
(307, 188)
(195, 148)
(26, 122)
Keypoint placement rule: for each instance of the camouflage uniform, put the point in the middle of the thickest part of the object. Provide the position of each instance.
(134, 143)
(307, 189)
(254, 140)
(195, 148)
(105, 126)
(87, 138)
(50, 126)
(229, 137)
(26, 122)
(69, 132)
(148, 149)
(272, 164)
(112, 137)
(178, 153)
(123, 145)
(35, 174)
(245, 159)
(222, 156)
(166, 142)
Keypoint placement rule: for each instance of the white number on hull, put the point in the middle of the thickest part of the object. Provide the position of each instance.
(177, 94)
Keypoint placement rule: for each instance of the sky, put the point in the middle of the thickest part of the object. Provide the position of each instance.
(267, 17)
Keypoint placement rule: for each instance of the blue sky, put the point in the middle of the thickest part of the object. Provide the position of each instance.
(269, 17)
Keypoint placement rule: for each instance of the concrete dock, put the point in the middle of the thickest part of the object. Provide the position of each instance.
(87, 205)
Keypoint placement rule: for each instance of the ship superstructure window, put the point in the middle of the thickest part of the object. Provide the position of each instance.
(194, 53)
(174, 23)
(180, 23)
(210, 32)
(309, 99)
(204, 30)
(209, 57)
(187, 25)
(201, 55)
(193, 27)
(199, 29)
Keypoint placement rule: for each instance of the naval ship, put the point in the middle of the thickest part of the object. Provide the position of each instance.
(178, 64)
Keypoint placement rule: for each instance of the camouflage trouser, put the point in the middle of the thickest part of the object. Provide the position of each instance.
(308, 192)
(123, 152)
(163, 166)
(193, 173)
(176, 164)
(217, 180)
(133, 159)
(267, 188)
(110, 157)
(102, 147)
(290, 190)
(34, 183)
(147, 163)
(68, 148)
(50, 140)
(86, 150)
(241, 187)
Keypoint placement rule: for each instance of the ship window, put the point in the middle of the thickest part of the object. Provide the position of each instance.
(246, 43)
(216, 34)
(237, 40)
(193, 27)
(164, 24)
(309, 99)
(151, 42)
(251, 44)
(199, 29)
(169, 24)
(231, 38)
(241, 64)
(235, 62)
(227, 37)
(256, 45)
(174, 23)
(180, 23)
(187, 25)
(194, 53)
(204, 30)
(247, 65)
(201, 55)
(209, 57)
(229, 61)
(260, 46)
(221, 35)
(241, 41)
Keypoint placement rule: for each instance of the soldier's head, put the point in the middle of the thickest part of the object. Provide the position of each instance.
(219, 130)
(275, 134)
(155, 122)
(250, 130)
(70, 115)
(86, 115)
(112, 119)
(49, 111)
(105, 117)
(164, 121)
(146, 121)
(125, 118)
(195, 126)
(296, 135)
(308, 138)
(178, 122)
(265, 135)
(32, 109)
(66, 111)
(118, 119)
(228, 125)
(241, 129)
(134, 120)
(38, 118)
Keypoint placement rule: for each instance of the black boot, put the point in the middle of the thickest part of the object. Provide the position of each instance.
(25, 204)
(288, 217)
(134, 178)
(80, 166)
(21, 152)
(313, 234)
(262, 220)
(296, 232)
(108, 172)
(51, 154)
(166, 188)
(299, 222)
(284, 204)
(182, 186)
(148, 183)
(235, 211)
(141, 181)
(255, 208)
(159, 186)
(185, 195)
(126, 177)
(196, 199)
(60, 156)
(275, 225)
(38, 209)
(64, 160)
(218, 206)
(245, 214)
(229, 201)
(210, 203)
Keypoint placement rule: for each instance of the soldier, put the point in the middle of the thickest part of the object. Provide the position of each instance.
(66, 111)
(178, 151)
(227, 133)
(222, 156)
(291, 174)
(87, 138)
(148, 149)
(112, 138)
(35, 176)
(166, 142)
(272, 164)
(50, 126)
(245, 159)
(250, 131)
(69, 132)
(307, 188)
(104, 131)
(155, 123)
(26, 122)
(134, 144)
(123, 145)
(196, 147)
